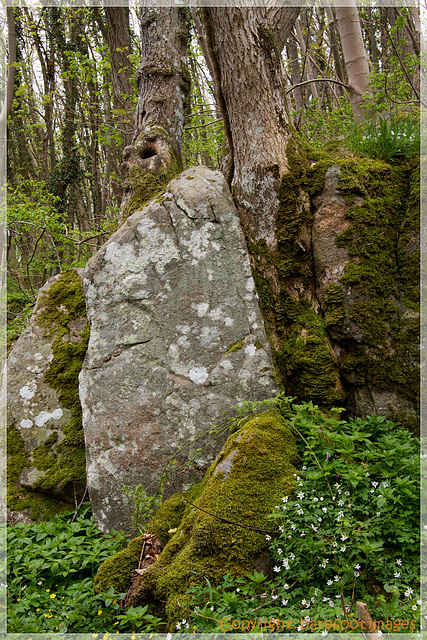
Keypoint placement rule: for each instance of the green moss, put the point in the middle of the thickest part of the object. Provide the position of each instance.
(117, 571)
(335, 305)
(237, 346)
(168, 517)
(254, 470)
(382, 276)
(38, 506)
(309, 359)
(146, 185)
(63, 463)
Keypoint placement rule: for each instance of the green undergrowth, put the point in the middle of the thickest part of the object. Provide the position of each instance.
(63, 463)
(51, 566)
(348, 533)
(341, 528)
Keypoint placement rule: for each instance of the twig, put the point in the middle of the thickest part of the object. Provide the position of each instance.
(81, 502)
(294, 86)
(200, 126)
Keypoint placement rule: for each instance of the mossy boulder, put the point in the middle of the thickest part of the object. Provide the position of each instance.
(366, 247)
(254, 470)
(46, 453)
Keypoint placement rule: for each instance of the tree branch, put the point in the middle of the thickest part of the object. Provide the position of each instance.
(294, 86)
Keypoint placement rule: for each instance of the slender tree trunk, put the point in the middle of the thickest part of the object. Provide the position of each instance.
(119, 45)
(354, 52)
(306, 56)
(335, 48)
(155, 156)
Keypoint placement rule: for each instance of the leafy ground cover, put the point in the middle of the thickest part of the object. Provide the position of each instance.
(350, 533)
(51, 567)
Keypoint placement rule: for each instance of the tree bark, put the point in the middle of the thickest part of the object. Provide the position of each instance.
(355, 56)
(155, 155)
(267, 189)
(162, 83)
(334, 47)
(259, 131)
(119, 46)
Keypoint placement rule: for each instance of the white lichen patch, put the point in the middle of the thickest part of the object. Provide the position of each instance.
(208, 335)
(198, 375)
(250, 350)
(198, 243)
(44, 416)
(27, 391)
(228, 321)
(26, 424)
(183, 342)
(250, 284)
(201, 308)
(226, 365)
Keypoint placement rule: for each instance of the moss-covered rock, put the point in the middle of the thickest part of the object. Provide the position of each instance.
(285, 281)
(369, 284)
(253, 471)
(46, 455)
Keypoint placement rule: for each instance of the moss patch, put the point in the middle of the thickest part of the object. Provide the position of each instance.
(63, 463)
(250, 475)
(285, 286)
(381, 280)
(19, 498)
(145, 185)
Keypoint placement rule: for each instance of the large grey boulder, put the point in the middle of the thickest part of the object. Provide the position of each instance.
(176, 339)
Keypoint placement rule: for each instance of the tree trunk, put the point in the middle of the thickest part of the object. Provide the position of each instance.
(119, 46)
(259, 131)
(335, 48)
(155, 155)
(355, 56)
(273, 207)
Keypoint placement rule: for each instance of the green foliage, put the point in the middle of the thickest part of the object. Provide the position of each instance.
(143, 505)
(37, 239)
(387, 140)
(321, 126)
(349, 533)
(50, 579)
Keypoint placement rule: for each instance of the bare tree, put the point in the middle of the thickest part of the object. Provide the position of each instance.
(354, 53)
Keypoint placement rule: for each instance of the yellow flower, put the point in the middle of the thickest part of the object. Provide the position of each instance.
(52, 596)
(18, 599)
(47, 590)
(99, 612)
(37, 609)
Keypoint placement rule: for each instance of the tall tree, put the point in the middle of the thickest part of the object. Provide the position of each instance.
(354, 52)
(156, 153)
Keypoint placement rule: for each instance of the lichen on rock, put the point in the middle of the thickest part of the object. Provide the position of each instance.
(254, 470)
(46, 456)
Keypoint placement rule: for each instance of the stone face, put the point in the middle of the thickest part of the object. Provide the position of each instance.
(176, 339)
(366, 256)
(45, 436)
